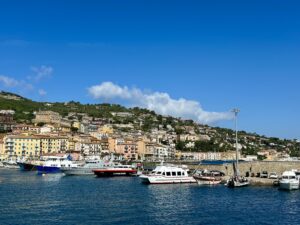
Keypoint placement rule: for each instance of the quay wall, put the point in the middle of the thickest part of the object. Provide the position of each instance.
(252, 167)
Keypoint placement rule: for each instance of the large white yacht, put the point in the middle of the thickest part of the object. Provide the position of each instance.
(168, 174)
(289, 181)
(52, 164)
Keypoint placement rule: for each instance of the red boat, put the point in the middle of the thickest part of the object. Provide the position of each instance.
(116, 170)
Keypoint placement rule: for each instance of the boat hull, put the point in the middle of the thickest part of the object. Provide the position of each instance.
(26, 166)
(166, 180)
(208, 182)
(77, 171)
(114, 172)
(237, 183)
(48, 169)
(289, 186)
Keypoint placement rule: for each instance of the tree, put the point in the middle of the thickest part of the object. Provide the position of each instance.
(40, 124)
(74, 129)
(180, 145)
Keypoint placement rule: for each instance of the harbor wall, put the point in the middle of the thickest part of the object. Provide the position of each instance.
(252, 167)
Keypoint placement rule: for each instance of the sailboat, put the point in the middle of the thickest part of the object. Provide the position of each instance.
(236, 180)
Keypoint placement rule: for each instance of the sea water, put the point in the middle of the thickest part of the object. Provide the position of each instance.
(28, 198)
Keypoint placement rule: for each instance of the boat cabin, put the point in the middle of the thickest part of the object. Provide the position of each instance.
(169, 171)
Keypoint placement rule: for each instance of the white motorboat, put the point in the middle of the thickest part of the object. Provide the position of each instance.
(10, 164)
(168, 174)
(289, 181)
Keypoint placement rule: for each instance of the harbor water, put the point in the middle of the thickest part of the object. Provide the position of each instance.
(28, 198)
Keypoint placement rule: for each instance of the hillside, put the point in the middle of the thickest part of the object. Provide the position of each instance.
(148, 122)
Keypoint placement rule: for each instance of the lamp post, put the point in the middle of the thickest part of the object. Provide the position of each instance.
(236, 111)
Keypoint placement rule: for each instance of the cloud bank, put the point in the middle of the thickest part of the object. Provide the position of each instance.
(159, 102)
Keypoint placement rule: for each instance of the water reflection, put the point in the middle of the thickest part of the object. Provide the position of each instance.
(48, 177)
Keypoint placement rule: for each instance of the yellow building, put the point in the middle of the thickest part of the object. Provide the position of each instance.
(21, 145)
(54, 144)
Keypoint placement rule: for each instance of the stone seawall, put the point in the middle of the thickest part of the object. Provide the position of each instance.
(253, 167)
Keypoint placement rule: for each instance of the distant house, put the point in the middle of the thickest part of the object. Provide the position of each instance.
(122, 114)
(6, 120)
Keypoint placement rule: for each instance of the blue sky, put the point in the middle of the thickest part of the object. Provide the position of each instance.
(219, 54)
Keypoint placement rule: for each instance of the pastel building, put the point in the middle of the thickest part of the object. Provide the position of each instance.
(21, 145)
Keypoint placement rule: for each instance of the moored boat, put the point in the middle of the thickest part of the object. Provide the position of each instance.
(86, 168)
(118, 169)
(27, 166)
(10, 164)
(206, 177)
(53, 164)
(236, 180)
(289, 181)
(167, 174)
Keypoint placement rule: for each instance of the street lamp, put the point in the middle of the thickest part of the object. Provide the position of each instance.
(236, 111)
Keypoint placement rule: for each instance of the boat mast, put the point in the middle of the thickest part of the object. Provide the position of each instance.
(236, 111)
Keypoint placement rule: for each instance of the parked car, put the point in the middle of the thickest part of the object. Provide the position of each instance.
(264, 174)
(273, 175)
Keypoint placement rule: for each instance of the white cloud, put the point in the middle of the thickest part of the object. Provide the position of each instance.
(160, 102)
(8, 81)
(42, 92)
(42, 72)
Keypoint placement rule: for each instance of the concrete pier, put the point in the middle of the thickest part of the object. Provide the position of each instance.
(252, 167)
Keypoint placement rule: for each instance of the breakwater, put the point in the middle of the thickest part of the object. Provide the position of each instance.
(253, 167)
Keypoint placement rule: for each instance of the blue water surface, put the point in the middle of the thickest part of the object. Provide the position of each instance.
(28, 198)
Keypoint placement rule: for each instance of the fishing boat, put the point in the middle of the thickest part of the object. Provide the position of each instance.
(167, 174)
(236, 180)
(289, 181)
(206, 177)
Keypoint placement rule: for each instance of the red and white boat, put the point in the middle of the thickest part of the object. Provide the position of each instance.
(127, 170)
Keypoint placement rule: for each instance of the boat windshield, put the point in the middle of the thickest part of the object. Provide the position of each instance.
(288, 177)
